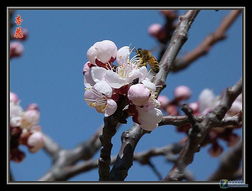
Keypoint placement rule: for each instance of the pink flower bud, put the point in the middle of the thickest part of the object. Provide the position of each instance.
(172, 110)
(16, 49)
(35, 142)
(14, 98)
(149, 119)
(138, 94)
(104, 51)
(157, 31)
(33, 106)
(194, 106)
(163, 101)
(182, 93)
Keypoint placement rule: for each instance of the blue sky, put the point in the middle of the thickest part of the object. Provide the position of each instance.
(50, 74)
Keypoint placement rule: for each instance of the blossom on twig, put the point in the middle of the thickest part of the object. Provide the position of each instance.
(106, 82)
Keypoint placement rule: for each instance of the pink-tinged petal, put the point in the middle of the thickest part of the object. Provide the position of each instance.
(106, 50)
(90, 96)
(14, 98)
(138, 94)
(110, 107)
(149, 119)
(98, 73)
(148, 84)
(86, 67)
(123, 55)
(140, 73)
(114, 80)
(134, 74)
(92, 54)
(182, 93)
(35, 142)
(206, 100)
(103, 88)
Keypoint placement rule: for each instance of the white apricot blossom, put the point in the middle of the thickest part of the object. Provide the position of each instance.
(98, 97)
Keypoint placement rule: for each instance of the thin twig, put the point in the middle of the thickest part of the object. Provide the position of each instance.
(110, 126)
(207, 44)
(155, 170)
(178, 39)
(51, 147)
(72, 170)
(200, 130)
(65, 158)
(227, 122)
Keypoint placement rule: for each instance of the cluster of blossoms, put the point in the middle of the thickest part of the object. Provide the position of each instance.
(24, 129)
(207, 101)
(107, 83)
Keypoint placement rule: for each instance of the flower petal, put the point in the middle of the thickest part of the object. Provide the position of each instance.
(106, 50)
(206, 100)
(114, 80)
(110, 108)
(35, 141)
(103, 88)
(98, 73)
(149, 120)
(148, 84)
(92, 54)
(138, 94)
(123, 55)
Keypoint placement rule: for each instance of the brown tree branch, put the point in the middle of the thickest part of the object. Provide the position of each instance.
(230, 163)
(63, 159)
(227, 122)
(207, 44)
(51, 147)
(110, 126)
(130, 138)
(199, 131)
(141, 157)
